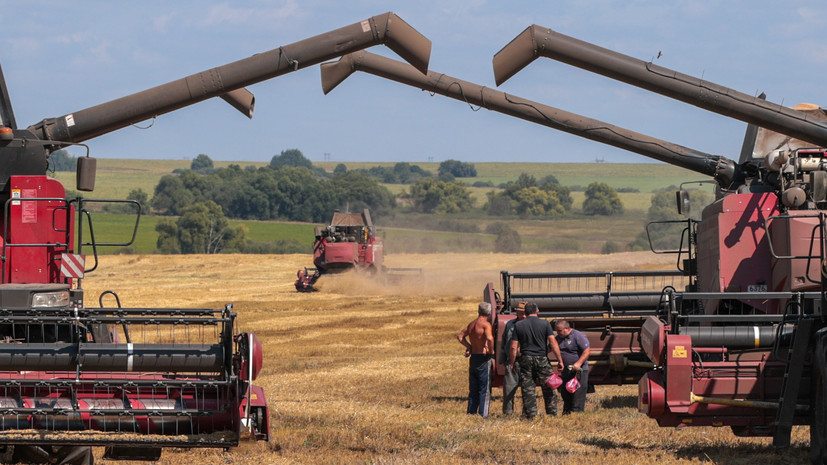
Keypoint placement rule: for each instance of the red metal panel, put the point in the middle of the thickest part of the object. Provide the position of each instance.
(337, 253)
(733, 251)
(652, 395)
(652, 338)
(794, 237)
(678, 372)
(377, 252)
(37, 222)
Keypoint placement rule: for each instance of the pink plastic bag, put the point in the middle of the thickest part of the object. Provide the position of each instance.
(554, 381)
(573, 385)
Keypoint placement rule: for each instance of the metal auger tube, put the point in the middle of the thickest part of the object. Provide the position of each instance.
(538, 41)
(225, 81)
(491, 99)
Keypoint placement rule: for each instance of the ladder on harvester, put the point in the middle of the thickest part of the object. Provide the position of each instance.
(799, 347)
(801, 339)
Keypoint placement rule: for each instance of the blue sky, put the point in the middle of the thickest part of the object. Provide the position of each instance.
(60, 57)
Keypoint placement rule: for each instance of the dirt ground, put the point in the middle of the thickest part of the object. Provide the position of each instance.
(365, 373)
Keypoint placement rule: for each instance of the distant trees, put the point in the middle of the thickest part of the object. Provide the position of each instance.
(290, 157)
(137, 195)
(141, 197)
(432, 196)
(286, 192)
(202, 164)
(202, 228)
(457, 169)
(601, 199)
(60, 160)
(667, 236)
(508, 240)
(527, 197)
(610, 247)
(360, 191)
(551, 184)
(400, 173)
(173, 193)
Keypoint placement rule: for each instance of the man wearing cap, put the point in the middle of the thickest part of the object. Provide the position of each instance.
(574, 346)
(534, 338)
(511, 378)
(478, 339)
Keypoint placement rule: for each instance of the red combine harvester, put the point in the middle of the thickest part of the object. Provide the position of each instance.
(134, 380)
(735, 337)
(349, 243)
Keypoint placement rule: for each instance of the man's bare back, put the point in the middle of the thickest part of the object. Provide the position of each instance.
(480, 337)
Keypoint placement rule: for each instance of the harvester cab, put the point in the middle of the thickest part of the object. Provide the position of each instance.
(135, 380)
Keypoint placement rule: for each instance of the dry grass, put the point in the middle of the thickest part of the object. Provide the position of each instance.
(359, 373)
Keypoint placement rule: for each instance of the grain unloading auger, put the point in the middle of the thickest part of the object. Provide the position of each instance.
(135, 380)
(736, 340)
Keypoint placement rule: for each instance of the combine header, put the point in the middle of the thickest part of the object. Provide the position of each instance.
(737, 336)
(134, 380)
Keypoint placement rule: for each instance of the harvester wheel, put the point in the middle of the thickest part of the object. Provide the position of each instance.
(818, 407)
(61, 455)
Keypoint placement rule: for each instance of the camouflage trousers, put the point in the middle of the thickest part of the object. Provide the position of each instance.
(534, 370)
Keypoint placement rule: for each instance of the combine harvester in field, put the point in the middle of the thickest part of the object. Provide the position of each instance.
(738, 338)
(135, 380)
(349, 243)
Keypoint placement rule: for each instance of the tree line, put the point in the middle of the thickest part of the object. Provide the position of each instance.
(291, 188)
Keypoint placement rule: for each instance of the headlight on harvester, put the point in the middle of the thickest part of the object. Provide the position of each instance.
(51, 299)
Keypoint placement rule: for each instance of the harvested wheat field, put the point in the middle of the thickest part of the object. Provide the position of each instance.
(361, 374)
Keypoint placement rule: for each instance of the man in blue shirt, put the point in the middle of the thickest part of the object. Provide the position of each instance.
(535, 340)
(574, 347)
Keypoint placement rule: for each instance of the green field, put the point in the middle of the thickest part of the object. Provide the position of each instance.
(110, 228)
(117, 177)
(646, 177)
(409, 232)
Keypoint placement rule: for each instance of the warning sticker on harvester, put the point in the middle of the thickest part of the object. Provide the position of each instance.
(679, 352)
(29, 210)
(72, 265)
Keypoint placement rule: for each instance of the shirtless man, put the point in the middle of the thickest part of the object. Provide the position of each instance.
(479, 349)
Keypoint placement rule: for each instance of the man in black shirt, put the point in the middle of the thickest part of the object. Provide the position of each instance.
(535, 339)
